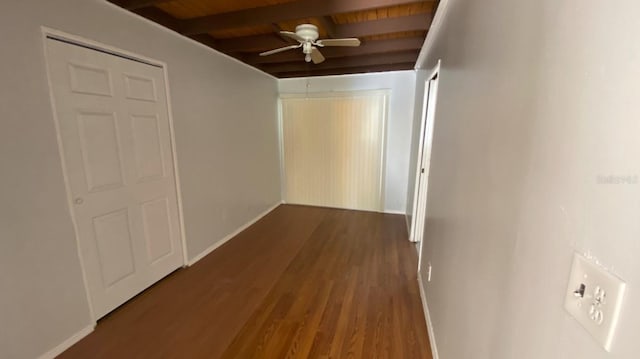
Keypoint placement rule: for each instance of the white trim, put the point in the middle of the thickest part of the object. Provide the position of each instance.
(80, 41)
(427, 318)
(416, 189)
(432, 34)
(383, 150)
(330, 94)
(343, 208)
(176, 172)
(366, 74)
(60, 348)
(420, 244)
(232, 235)
(188, 39)
(387, 211)
(283, 184)
(435, 71)
(428, 87)
(430, 108)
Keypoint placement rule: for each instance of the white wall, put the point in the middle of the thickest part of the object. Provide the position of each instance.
(399, 121)
(226, 133)
(536, 100)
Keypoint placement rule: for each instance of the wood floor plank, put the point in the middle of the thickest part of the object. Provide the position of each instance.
(304, 282)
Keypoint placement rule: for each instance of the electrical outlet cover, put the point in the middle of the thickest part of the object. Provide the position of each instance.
(594, 298)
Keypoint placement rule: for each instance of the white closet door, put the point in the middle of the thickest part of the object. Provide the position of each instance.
(333, 150)
(114, 131)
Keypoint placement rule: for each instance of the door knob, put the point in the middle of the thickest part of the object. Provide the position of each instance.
(78, 200)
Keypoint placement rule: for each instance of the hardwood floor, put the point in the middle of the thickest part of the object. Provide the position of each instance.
(303, 282)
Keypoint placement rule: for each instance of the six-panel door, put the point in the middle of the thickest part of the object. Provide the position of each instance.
(113, 123)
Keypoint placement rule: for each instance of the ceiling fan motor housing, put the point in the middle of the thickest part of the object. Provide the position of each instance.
(308, 32)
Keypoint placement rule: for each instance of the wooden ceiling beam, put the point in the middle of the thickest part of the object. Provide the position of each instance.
(251, 43)
(156, 15)
(276, 29)
(352, 70)
(367, 48)
(345, 62)
(329, 26)
(281, 12)
(385, 26)
(205, 39)
(139, 4)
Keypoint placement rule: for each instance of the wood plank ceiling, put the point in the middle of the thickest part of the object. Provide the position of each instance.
(392, 31)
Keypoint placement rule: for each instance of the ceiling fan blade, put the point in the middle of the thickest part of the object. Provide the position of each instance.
(286, 48)
(316, 56)
(339, 42)
(292, 35)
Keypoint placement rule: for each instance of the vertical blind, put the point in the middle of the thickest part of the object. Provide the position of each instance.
(334, 150)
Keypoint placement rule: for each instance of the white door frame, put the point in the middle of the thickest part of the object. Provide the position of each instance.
(47, 34)
(426, 135)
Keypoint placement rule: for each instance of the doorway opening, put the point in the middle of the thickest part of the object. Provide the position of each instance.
(419, 212)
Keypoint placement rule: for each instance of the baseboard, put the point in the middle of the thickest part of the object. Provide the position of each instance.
(427, 318)
(231, 235)
(347, 208)
(406, 221)
(60, 348)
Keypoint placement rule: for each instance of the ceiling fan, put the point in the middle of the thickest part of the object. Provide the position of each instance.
(307, 36)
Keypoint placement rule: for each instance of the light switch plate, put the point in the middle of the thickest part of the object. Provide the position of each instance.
(594, 298)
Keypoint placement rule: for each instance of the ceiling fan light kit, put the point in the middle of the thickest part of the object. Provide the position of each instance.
(307, 37)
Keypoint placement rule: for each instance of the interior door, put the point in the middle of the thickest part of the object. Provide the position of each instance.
(113, 125)
(424, 159)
